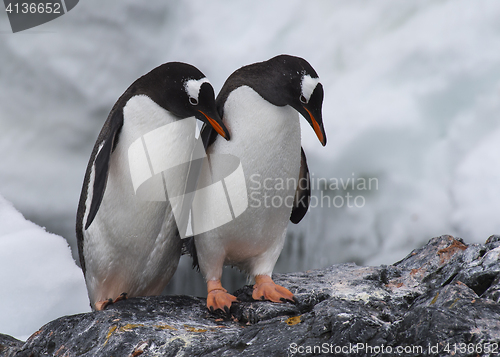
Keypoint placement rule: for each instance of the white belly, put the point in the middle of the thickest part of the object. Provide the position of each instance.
(266, 139)
(132, 245)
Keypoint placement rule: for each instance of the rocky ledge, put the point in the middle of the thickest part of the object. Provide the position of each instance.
(442, 299)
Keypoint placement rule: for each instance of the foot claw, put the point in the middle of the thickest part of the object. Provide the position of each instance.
(101, 305)
(123, 296)
(266, 289)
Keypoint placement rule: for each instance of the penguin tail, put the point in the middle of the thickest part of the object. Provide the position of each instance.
(189, 248)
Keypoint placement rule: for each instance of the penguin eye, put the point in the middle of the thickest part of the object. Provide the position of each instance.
(303, 99)
(193, 101)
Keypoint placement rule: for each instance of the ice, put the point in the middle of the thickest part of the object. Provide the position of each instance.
(477, 199)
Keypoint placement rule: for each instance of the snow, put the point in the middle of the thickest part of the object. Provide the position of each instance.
(40, 280)
(412, 99)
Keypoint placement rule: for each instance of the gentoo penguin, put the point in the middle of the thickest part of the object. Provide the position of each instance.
(128, 240)
(258, 104)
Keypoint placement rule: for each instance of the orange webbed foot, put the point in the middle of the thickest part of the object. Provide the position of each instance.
(218, 298)
(266, 289)
(123, 296)
(101, 305)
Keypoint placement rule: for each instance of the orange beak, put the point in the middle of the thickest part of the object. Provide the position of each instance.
(218, 128)
(317, 128)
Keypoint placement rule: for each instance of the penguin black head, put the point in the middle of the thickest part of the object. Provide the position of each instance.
(282, 80)
(182, 90)
(301, 89)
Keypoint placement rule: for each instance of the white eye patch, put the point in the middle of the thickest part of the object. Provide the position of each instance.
(307, 86)
(193, 86)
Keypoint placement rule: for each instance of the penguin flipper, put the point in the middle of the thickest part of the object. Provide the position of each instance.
(188, 243)
(303, 193)
(189, 248)
(101, 164)
(208, 135)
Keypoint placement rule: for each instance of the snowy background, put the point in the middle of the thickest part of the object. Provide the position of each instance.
(412, 99)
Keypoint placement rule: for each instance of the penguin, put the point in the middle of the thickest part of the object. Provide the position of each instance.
(260, 105)
(128, 239)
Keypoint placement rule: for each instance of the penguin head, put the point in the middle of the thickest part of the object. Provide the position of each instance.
(184, 91)
(303, 90)
(309, 104)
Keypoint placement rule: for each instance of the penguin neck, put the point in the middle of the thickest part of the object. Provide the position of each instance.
(149, 136)
(144, 115)
(257, 125)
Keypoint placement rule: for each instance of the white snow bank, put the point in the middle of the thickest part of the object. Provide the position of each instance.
(39, 279)
(478, 200)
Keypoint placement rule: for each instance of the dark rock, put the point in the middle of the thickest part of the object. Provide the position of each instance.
(440, 300)
(9, 345)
